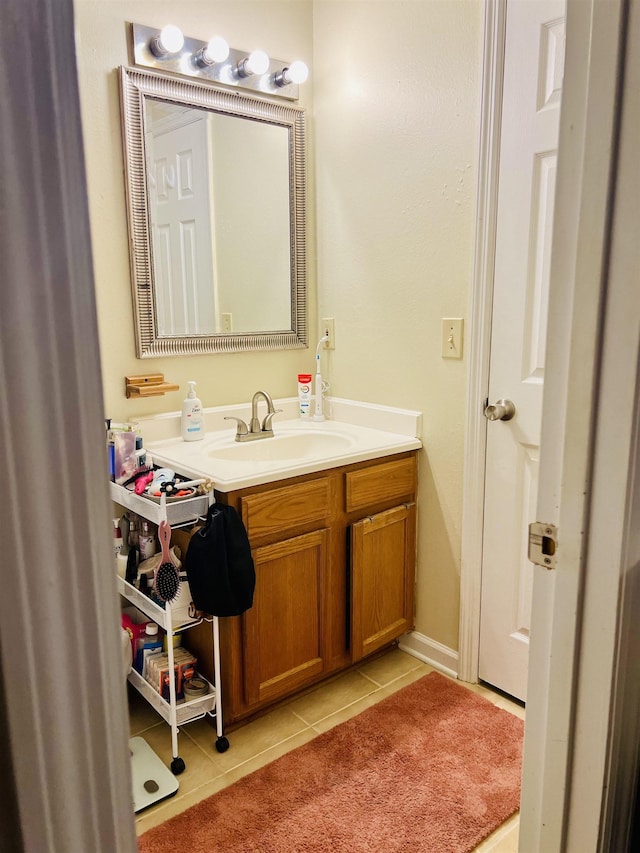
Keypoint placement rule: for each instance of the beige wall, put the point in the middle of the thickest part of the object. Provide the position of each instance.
(393, 113)
(396, 108)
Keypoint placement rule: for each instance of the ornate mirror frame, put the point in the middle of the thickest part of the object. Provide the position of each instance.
(135, 86)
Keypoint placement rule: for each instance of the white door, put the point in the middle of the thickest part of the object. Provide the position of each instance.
(534, 61)
(181, 229)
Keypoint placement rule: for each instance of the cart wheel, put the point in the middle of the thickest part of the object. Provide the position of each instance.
(222, 744)
(177, 766)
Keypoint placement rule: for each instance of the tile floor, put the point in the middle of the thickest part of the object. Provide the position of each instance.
(283, 729)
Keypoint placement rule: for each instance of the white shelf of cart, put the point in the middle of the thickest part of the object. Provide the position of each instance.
(156, 613)
(186, 712)
(178, 511)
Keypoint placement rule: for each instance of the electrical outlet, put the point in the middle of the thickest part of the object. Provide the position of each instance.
(329, 329)
(227, 322)
(452, 332)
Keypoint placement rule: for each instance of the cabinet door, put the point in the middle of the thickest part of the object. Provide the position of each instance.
(284, 639)
(382, 578)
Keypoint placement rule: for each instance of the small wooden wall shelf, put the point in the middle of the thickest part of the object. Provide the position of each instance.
(148, 385)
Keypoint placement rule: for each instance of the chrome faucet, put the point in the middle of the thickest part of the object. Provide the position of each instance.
(256, 429)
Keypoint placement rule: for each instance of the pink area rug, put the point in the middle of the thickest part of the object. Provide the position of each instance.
(433, 768)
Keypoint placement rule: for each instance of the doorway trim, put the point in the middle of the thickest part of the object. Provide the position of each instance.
(582, 661)
(495, 17)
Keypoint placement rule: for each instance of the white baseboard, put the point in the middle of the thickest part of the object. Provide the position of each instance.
(431, 652)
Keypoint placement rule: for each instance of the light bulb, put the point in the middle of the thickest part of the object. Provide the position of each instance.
(257, 62)
(297, 72)
(217, 50)
(170, 40)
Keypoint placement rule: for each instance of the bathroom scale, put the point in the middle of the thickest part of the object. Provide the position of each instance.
(152, 781)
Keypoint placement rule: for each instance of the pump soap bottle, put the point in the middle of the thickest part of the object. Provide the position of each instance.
(192, 417)
(118, 543)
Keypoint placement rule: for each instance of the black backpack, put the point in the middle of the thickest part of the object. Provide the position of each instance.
(219, 564)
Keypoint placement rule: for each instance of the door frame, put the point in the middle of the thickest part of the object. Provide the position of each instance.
(495, 18)
(579, 611)
(582, 720)
(63, 699)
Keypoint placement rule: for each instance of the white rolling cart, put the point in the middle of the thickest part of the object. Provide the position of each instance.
(173, 618)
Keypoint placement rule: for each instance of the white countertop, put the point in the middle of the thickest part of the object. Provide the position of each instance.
(355, 432)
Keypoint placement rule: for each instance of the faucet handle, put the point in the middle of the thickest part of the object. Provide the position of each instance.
(266, 423)
(242, 428)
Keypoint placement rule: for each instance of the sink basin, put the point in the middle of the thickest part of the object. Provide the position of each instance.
(285, 447)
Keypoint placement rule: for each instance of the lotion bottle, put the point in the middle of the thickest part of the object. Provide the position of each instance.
(192, 417)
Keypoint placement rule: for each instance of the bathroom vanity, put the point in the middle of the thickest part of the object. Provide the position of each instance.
(335, 557)
(333, 540)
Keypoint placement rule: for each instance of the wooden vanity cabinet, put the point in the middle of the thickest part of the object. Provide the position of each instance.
(334, 554)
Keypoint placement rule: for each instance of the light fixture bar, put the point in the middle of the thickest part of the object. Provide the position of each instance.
(187, 63)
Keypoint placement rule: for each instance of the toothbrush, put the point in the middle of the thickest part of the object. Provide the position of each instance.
(319, 410)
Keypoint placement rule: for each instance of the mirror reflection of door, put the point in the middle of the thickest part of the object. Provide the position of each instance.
(219, 205)
(250, 170)
(180, 212)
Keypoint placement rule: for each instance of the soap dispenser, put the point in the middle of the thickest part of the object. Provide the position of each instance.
(192, 417)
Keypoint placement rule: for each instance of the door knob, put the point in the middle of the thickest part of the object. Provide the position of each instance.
(502, 410)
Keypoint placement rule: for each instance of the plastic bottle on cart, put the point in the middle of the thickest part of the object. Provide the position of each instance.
(117, 539)
(147, 643)
(147, 542)
(134, 630)
(134, 533)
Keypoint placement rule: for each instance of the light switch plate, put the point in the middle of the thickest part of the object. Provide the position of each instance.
(452, 337)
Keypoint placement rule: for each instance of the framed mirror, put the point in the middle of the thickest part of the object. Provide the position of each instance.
(215, 185)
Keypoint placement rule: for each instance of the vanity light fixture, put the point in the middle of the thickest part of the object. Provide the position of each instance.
(297, 72)
(256, 63)
(216, 50)
(213, 61)
(167, 42)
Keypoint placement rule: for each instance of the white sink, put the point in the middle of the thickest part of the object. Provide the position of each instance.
(283, 446)
(297, 447)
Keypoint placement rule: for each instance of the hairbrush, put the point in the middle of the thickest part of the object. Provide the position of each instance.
(167, 579)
